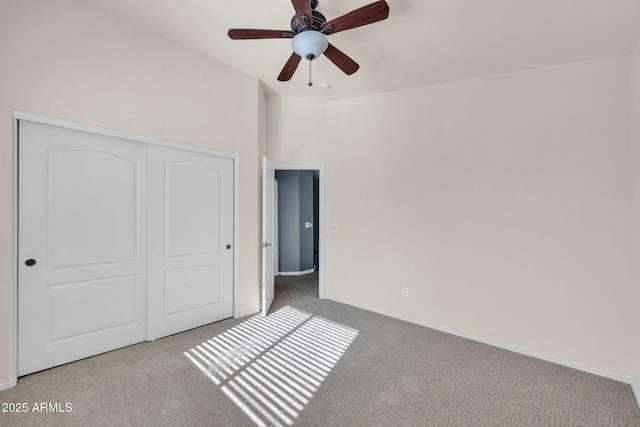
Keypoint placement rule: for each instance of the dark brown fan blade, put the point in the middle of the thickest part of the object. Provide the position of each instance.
(365, 15)
(342, 61)
(289, 68)
(303, 8)
(251, 34)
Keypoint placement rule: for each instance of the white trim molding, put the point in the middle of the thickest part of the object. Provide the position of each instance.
(9, 384)
(241, 315)
(296, 273)
(636, 392)
(15, 256)
(46, 120)
(236, 232)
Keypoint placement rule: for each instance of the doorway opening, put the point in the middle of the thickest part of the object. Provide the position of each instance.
(296, 210)
(297, 216)
(297, 231)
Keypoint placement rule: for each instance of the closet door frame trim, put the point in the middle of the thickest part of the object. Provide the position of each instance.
(37, 118)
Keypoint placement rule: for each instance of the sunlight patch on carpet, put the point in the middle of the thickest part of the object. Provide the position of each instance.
(271, 367)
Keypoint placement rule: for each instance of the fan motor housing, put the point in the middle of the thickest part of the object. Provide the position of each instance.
(318, 20)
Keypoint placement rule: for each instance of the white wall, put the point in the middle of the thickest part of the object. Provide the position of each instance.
(503, 203)
(262, 151)
(635, 252)
(71, 60)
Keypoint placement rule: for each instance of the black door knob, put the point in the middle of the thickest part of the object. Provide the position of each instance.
(228, 246)
(30, 262)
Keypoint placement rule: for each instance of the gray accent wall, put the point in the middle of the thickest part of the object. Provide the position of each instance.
(296, 244)
(316, 218)
(306, 215)
(288, 220)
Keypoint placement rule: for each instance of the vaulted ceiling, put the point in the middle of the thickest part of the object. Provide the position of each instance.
(423, 42)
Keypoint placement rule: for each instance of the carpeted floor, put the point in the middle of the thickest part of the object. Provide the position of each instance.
(315, 362)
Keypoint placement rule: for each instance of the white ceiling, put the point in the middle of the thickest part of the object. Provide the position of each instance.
(423, 42)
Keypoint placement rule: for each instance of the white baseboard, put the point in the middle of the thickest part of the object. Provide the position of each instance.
(296, 273)
(240, 315)
(515, 349)
(9, 384)
(636, 392)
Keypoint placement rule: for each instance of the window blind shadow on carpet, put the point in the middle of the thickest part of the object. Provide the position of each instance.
(271, 367)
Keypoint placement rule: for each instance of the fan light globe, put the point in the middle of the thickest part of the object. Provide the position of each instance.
(310, 44)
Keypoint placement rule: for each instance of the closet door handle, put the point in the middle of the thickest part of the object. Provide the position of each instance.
(30, 262)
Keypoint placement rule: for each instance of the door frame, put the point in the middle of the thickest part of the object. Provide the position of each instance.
(47, 120)
(267, 280)
(276, 261)
(320, 169)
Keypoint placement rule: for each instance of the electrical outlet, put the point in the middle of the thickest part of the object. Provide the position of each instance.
(405, 292)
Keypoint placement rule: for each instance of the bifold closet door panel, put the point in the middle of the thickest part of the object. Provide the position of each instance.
(82, 257)
(190, 240)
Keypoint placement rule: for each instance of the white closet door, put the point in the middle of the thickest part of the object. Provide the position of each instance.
(190, 240)
(82, 245)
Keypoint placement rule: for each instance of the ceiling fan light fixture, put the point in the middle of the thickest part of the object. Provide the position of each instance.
(309, 29)
(310, 44)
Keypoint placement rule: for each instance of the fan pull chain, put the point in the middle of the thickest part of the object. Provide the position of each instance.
(310, 80)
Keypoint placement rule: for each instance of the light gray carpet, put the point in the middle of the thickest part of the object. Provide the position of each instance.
(319, 363)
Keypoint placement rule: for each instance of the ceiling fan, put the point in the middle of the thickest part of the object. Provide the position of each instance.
(309, 31)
